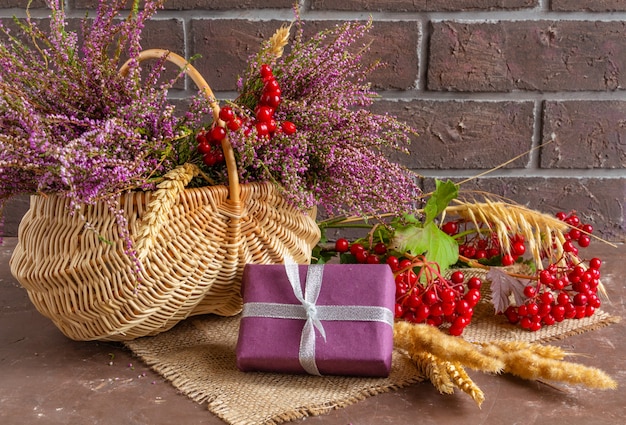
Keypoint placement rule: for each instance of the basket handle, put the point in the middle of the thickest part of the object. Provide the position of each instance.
(174, 182)
(229, 155)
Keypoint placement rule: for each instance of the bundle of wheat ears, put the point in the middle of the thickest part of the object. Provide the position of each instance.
(442, 359)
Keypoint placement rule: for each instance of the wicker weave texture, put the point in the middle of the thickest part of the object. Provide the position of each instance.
(85, 283)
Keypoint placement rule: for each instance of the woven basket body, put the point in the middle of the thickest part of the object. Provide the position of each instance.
(91, 289)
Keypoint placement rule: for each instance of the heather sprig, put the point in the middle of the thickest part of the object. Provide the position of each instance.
(336, 159)
(71, 123)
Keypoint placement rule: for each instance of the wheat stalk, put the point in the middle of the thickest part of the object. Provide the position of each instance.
(461, 379)
(445, 375)
(418, 338)
(277, 42)
(536, 362)
(434, 370)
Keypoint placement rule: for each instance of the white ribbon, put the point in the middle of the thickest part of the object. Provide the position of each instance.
(313, 314)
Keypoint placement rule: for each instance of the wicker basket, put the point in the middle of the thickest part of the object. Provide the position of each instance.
(192, 245)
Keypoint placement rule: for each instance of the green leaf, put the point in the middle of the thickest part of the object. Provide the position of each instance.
(347, 258)
(429, 240)
(319, 255)
(440, 199)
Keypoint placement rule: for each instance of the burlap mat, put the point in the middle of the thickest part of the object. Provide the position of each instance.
(198, 357)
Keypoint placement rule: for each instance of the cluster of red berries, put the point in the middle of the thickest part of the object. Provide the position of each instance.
(423, 295)
(477, 245)
(270, 99)
(561, 292)
(565, 289)
(580, 233)
(439, 301)
(209, 141)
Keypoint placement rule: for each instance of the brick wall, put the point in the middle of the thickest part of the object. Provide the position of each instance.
(483, 80)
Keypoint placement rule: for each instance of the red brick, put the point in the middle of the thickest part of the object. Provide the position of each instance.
(421, 6)
(527, 55)
(585, 134)
(464, 135)
(588, 5)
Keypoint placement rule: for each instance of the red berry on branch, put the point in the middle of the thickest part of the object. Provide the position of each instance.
(547, 298)
(234, 124)
(380, 248)
(474, 283)
(574, 234)
(355, 248)
(472, 297)
(210, 159)
(545, 277)
(342, 245)
(393, 262)
(399, 310)
(361, 256)
(288, 127)
(270, 99)
(271, 86)
(266, 71)
(457, 277)
(508, 260)
(518, 248)
(219, 156)
(530, 291)
(595, 263)
(411, 277)
(584, 241)
(204, 147)
(272, 125)
(450, 227)
(262, 129)
(372, 259)
(201, 137)
(218, 133)
(421, 312)
(448, 295)
(429, 297)
(264, 113)
(532, 308)
(480, 254)
(226, 113)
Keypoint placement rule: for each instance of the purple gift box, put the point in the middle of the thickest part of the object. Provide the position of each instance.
(333, 319)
